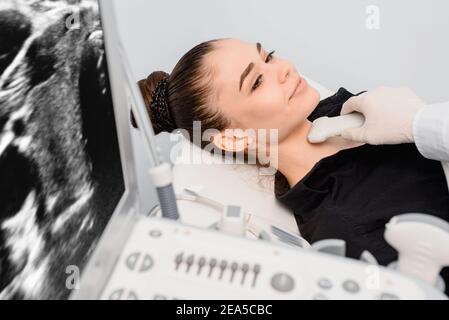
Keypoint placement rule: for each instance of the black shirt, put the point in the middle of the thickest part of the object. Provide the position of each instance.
(352, 194)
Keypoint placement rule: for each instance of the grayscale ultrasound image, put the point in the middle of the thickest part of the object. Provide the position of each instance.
(60, 169)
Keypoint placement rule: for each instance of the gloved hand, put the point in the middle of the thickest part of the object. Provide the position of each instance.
(389, 114)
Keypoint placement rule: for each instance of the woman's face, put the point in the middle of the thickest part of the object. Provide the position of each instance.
(256, 90)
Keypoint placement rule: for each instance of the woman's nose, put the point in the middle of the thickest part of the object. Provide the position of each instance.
(285, 71)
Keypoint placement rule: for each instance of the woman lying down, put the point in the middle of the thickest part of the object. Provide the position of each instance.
(337, 189)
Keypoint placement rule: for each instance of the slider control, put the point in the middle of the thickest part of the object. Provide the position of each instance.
(256, 270)
(223, 265)
(189, 262)
(178, 260)
(234, 268)
(201, 263)
(245, 269)
(212, 264)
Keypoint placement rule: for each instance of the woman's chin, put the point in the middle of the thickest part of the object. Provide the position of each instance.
(315, 95)
(307, 100)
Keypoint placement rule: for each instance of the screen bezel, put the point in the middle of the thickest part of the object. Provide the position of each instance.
(102, 261)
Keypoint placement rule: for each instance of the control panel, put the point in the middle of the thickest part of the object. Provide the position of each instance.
(167, 260)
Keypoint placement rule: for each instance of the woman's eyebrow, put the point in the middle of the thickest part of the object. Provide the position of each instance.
(248, 69)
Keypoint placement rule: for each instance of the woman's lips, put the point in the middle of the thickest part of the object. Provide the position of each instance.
(300, 85)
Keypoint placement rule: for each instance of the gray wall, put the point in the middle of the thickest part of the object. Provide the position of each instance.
(328, 40)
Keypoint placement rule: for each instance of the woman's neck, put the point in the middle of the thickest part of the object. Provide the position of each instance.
(297, 156)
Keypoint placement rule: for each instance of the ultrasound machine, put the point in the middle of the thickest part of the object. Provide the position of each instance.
(171, 253)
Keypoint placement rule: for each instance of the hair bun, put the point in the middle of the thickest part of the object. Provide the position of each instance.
(154, 92)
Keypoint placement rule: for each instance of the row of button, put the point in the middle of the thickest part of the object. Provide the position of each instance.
(383, 296)
(350, 286)
(222, 266)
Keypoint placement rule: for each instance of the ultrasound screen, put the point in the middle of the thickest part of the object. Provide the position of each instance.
(60, 169)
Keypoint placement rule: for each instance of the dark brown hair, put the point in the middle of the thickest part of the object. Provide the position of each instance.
(188, 95)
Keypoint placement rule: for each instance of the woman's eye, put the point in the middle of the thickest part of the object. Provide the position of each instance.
(259, 79)
(270, 56)
(257, 83)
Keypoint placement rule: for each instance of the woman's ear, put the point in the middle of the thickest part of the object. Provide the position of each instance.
(232, 140)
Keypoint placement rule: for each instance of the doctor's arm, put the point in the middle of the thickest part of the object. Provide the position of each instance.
(431, 131)
(398, 115)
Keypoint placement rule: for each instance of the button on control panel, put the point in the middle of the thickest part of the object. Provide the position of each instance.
(324, 283)
(282, 282)
(351, 286)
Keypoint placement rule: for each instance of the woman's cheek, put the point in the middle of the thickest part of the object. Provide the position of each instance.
(272, 100)
(268, 110)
